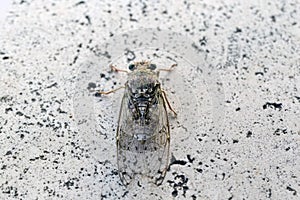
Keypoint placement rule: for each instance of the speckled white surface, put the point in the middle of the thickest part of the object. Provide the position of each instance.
(236, 90)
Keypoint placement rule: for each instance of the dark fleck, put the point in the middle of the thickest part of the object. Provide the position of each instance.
(69, 183)
(238, 109)
(191, 160)
(272, 105)
(273, 18)
(5, 99)
(249, 134)
(97, 94)
(88, 19)
(52, 85)
(292, 190)
(130, 55)
(139, 184)
(5, 58)
(79, 3)
(125, 193)
(238, 30)
(7, 110)
(259, 73)
(19, 113)
(278, 131)
(203, 41)
(175, 193)
(269, 193)
(91, 85)
(177, 162)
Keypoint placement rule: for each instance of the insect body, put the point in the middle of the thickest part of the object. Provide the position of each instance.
(143, 133)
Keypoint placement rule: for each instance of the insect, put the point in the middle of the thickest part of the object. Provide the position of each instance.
(143, 133)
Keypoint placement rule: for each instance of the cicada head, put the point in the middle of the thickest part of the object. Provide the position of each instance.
(143, 65)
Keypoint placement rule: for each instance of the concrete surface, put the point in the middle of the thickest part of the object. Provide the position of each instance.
(236, 91)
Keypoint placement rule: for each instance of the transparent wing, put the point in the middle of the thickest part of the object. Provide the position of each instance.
(143, 150)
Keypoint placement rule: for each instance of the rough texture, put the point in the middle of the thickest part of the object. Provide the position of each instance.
(237, 132)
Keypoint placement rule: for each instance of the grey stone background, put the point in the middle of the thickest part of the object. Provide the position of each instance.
(237, 133)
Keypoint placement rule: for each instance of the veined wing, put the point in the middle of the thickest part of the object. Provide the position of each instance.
(143, 149)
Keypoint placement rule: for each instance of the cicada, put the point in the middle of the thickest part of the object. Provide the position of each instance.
(143, 132)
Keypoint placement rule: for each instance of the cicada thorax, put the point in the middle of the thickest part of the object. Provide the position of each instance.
(143, 93)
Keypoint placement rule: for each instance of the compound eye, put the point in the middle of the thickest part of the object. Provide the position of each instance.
(131, 67)
(152, 66)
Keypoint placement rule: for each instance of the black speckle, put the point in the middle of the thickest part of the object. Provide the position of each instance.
(125, 193)
(139, 184)
(272, 105)
(288, 148)
(5, 99)
(292, 190)
(235, 141)
(131, 18)
(79, 3)
(8, 153)
(97, 94)
(238, 109)
(130, 55)
(269, 193)
(199, 170)
(249, 134)
(8, 110)
(298, 98)
(5, 58)
(177, 162)
(273, 18)
(52, 85)
(175, 193)
(88, 19)
(203, 41)
(238, 30)
(259, 73)
(279, 131)
(191, 160)
(19, 113)
(68, 184)
(91, 85)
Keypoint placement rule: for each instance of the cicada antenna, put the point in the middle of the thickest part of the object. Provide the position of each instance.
(115, 69)
(168, 69)
(110, 91)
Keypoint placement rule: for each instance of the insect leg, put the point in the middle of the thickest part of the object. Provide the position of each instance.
(113, 68)
(169, 105)
(111, 91)
(168, 69)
